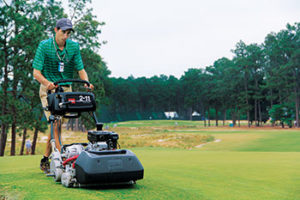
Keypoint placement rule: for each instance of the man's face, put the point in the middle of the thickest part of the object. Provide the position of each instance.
(62, 36)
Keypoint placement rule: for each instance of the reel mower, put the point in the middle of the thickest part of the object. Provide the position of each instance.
(98, 161)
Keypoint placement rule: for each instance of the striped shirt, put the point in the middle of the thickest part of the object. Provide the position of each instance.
(47, 61)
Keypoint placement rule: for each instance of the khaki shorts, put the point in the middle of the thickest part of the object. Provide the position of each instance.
(43, 96)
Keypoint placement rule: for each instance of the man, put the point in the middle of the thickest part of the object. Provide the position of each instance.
(56, 59)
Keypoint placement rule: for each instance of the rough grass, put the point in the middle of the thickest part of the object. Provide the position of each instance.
(149, 137)
(140, 134)
(260, 163)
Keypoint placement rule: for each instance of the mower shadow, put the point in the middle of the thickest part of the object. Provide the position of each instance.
(110, 187)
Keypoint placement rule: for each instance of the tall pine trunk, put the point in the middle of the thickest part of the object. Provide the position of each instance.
(14, 122)
(217, 117)
(239, 118)
(233, 116)
(13, 139)
(204, 118)
(255, 112)
(208, 117)
(247, 100)
(224, 117)
(14, 88)
(4, 126)
(257, 106)
(35, 136)
(259, 114)
(23, 141)
(203, 114)
(3, 139)
(14, 115)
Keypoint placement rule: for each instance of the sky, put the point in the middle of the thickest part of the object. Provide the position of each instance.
(147, 38)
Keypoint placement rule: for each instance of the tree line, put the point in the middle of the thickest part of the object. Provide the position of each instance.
(260, 82)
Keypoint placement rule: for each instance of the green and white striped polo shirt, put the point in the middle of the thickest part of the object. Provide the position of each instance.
(47, 61)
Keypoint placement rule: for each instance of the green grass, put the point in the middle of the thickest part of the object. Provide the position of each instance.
(245, 164)
(284, 141)
(172, 174)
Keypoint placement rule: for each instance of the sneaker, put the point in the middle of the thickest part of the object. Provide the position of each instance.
(45, 165)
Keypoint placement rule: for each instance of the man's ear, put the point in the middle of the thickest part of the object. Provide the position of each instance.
(55, 29)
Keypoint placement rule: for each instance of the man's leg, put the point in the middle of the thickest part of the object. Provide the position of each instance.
(45, 161)
(57, 134)
(57, 128)
(48, 146)
(45, 165)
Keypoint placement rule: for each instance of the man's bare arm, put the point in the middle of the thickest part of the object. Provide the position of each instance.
(83, 76)
(42, 80)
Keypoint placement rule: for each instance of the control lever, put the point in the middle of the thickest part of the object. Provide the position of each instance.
(64, 103)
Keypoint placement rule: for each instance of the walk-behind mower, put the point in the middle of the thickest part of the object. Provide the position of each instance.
(97, 162)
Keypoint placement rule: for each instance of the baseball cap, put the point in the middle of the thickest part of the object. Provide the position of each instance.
(64, 24)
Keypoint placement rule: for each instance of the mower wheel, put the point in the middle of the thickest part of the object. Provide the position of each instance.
(57, 174)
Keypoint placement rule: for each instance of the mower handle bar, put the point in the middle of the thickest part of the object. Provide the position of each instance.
(71, 80)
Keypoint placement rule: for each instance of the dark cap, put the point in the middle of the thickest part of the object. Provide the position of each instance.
(64, 24)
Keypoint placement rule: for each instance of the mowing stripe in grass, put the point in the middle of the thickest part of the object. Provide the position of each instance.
(288, 141)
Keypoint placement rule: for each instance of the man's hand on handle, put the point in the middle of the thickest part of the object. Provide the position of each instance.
(91, 86)
(83, 76)
(51, 86)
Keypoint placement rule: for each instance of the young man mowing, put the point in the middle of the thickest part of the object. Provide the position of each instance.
(55, 59)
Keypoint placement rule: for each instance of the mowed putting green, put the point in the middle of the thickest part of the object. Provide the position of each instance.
(243, 164)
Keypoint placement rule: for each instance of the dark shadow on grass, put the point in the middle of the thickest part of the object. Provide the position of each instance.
(109, 187)
(116, 186)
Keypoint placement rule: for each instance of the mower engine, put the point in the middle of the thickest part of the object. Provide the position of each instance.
(102, 140)
(73, 150)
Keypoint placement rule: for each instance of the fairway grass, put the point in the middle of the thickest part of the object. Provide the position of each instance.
(171, 174)
(230, 163)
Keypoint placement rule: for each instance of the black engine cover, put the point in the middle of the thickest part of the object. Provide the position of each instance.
(111, 166)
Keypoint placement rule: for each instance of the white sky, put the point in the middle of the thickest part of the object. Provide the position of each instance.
(147, 38)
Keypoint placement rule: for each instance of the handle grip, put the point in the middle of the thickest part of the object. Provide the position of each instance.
(72, 80)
